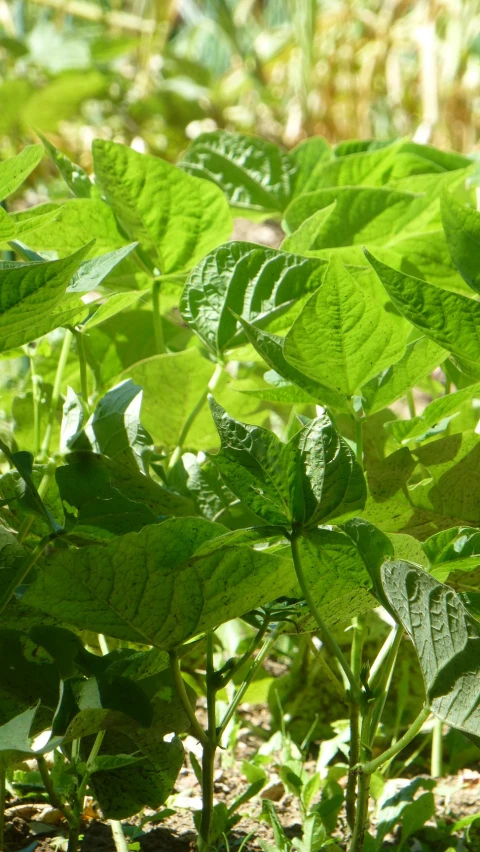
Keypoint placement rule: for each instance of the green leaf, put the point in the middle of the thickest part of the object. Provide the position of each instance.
(8, 227)
(381, 166)
(374, 547)
(104, 518)
(175, 218)
(343, 336)
(360, 215)
(271, 348)
(110, 692)
(306, 156)
(403, 228)
(29, 677)
(336, 576)
(442, 414)
(125, 791)
(451, 320)
(183, 378)
(74, 176)
(33, 301)
(403, 808)
(113, 305)
(462, 230)
(448, 493)
(76, 222)
(305, 238)
(356, 146)
(114, 428)
(456, 549)
(368, 168)
(256, 466)
(31, 220)
(446, 639)
(14, 171)
(64, 646)
(254, 174)
(244, 279)
(313, 477)
(419, 360)
(22, 461)
(72, 418)
(88, 477)
(160, 586)
(92, 272)
(15, 739)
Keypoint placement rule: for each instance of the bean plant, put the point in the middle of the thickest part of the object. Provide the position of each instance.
(197, 429)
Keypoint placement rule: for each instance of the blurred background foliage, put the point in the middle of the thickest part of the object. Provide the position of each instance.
(156, 73)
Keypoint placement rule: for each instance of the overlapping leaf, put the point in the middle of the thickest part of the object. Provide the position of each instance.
(175, 218)
(245, 279)
(449, 319)
(313, 477)
(456, 412)
(33, 300)
(419, 360)
(14, 171)
(253, 173)
(343, 336)
(159, 586)
(462, 229)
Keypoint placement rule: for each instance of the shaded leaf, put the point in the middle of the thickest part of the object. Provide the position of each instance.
(244, 279)
(253, 173)
(158, 586)
(446, 638)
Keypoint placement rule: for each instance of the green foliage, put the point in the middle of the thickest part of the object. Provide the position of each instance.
(124, 528)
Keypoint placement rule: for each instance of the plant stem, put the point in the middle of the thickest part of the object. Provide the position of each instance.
(411, 403)
(437, 749)
(359, 440)
(57, 803)
(119, 838)
(209, 749)
(414, 729)
(157, 318)
(180, 686)
(193, 416)
(353, 758)
(62, 361)
(82, 363)
(73, 838)
(42, 490)
(268, 644)
(383, 686)
(91, 758)
(358, 836)
(22, 572)
(208, 762)
(325, 635)
(36, 401)
(363, 788)
(354, 751)
(376, 669)
(231, 672)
